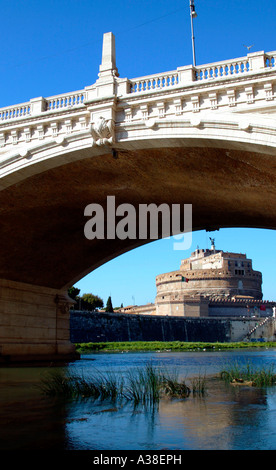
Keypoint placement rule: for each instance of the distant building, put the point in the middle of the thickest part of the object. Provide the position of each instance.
(210, 282)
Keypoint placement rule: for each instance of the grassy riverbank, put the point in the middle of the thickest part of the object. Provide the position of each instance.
(167, 346)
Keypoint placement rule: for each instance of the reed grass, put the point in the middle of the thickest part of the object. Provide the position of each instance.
(68, 385)
(248, 373)
(198, 385)
(144, 385)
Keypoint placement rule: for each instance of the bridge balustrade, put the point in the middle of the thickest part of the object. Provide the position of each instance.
(252, 63)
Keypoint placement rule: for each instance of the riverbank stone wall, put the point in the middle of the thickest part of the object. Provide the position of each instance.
(93, 327)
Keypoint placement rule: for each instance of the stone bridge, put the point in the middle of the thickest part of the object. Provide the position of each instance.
(202, 135)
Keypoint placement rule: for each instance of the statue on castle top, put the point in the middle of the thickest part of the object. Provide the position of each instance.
(212, 242)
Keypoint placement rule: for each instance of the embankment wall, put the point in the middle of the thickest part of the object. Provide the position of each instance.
(107, 327)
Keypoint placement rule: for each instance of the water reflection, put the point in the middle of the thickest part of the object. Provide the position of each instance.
(227, 418)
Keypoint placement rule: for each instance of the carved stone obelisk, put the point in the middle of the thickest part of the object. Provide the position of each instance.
(108, 65)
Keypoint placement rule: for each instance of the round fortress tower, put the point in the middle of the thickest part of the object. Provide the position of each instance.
(208, 274)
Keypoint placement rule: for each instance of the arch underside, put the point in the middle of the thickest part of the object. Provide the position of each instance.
(42, 216)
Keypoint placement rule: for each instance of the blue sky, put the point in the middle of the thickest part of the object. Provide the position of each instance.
(51, 47)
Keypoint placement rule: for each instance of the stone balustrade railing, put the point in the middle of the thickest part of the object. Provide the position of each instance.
(65, 100)
(223, 69)
(252, 63)
(15, 112)
(242, 65)
(40, 105)
(270, 59)
(154, 82)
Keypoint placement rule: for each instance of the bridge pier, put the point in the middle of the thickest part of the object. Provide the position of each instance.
(34, 324)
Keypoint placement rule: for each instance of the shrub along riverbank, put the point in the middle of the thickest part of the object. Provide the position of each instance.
(167, 346)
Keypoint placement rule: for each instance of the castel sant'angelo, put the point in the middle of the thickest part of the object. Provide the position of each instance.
(210, 282)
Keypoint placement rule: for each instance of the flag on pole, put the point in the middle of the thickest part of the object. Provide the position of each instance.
(184, 279)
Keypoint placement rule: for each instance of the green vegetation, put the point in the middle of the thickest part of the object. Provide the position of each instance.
(145, 385)
(247, 374)
(89, 302)
(109, 306)
(68, 385)
(167, 346)
(198, 385)
(73, 292)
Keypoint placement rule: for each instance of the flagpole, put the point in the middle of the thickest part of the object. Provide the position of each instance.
(193, 15)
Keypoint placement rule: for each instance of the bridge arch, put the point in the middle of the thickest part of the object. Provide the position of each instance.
(230, 183)
(143, 147)
(255, 134)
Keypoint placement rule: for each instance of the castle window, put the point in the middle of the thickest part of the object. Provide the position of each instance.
(239, 272)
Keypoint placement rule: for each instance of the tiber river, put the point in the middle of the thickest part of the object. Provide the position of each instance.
(227, 418)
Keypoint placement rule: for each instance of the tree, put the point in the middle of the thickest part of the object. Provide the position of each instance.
(91, 302)
(109, 307)
(86, 301)
(73, 292)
